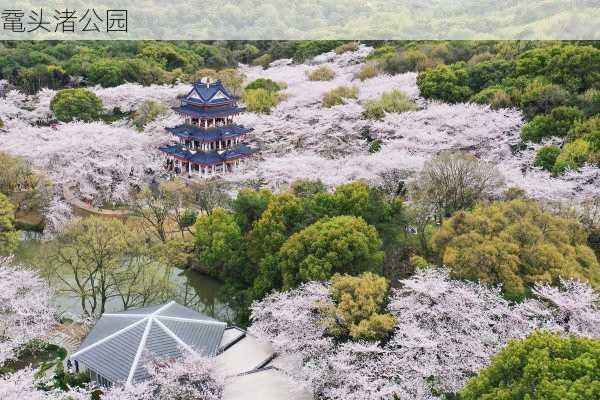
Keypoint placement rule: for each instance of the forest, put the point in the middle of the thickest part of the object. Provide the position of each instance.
(422, 220)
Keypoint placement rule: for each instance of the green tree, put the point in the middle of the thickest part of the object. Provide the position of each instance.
(76, 104)
(448, 83)
(546, 157)
(572, 156)
(114, 72)
(544, 366)
(488, 73)
(343, 244)
(284, 215)
(575, 67)
(263, 83)
(540, 98)
(260, 100)
(515, 244)
(249, 205)
(219, 246)
(25, 189)
(358, 307)
(558, 123)
(9, 236)
(98, 260)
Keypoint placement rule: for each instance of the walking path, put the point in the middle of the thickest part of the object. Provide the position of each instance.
(82, 205)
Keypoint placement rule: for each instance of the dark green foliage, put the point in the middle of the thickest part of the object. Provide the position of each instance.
(546, 157)
(264, 83)
(249, 205)
(544, 366)
(557, 123)
(489, 73)
(540, 98)
(344, 244)
(76, 104)
(448, 83)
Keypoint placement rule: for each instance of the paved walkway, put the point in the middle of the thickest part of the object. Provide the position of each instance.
(82, 205)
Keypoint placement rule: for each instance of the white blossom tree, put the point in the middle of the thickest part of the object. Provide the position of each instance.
(26, 311)
(446, 331)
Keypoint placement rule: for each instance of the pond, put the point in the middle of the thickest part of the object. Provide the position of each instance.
(194, 289)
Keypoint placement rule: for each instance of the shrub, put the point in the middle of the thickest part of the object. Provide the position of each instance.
(263, 60)
(495, 96)
(358, 307)
(540, 98)
(323, 73)
(264, 83)
(394, 101)
(369, 70)
(448, 83)
(336, 96)
(585, 128)
(382, 52)
(515, 244)
(572, 156)
(115, 72)
(405, 61)
(260, 100)
(419, 262)
(546, 157)
(375, 146)
(76, 104)
(557, 123)
(589, 102)
(346, 47)
(488, 73)
(542, 366)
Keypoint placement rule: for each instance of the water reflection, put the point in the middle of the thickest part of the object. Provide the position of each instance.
(193, 289)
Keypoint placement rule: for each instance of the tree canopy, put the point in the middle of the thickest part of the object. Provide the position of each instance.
(515, 244)
(76, 104)
(343, 244)
(544, 366)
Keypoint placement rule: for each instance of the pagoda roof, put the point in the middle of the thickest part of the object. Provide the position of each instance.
(208, 134)
(208, 93)
(208, 157)
(208, 112)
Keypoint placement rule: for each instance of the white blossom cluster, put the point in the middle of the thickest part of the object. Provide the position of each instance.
(302, 139)
(26, 310)
(446, 331)
(299, 139)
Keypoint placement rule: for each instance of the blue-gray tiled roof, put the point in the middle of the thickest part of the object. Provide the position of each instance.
(118, 345)
(208, 157)
(209, 112)
(210, 134)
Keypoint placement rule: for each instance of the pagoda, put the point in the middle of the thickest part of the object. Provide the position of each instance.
(208, 142)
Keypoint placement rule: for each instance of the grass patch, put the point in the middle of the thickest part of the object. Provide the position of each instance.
(346, 47)
(369, 70)
(261, 101)
(390, 102)
(267, 84)
(323, 73)
(336, 96)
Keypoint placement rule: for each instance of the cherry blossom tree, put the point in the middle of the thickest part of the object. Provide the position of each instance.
(26, 311)
(446, 331)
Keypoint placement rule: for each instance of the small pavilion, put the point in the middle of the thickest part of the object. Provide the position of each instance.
(118, 348)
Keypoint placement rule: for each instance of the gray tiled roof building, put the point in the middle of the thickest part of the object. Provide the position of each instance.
(115, 349)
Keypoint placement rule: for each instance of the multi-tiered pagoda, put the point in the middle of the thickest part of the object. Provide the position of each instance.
(209, 142)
